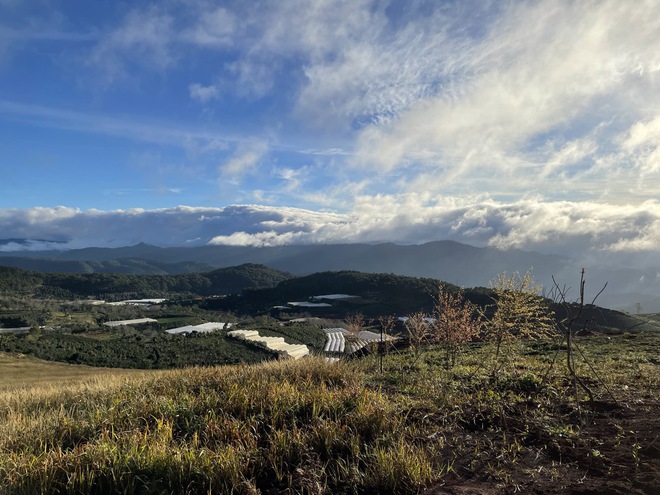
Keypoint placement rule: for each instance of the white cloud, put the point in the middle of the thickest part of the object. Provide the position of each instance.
(458, 98)
(251, 78)
(259, 239)
(547, 71)
(575, 229)
(536, 99)
(244, 161)
(158, 36)
(213, 28)
(378, 73)
(292, 178)
(203, 94)
(254, 44)
(642, 142)
(325, 152)
(143, 39)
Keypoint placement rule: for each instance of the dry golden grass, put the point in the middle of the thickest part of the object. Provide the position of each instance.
(20, 371)
(309, 427)
(276, 426)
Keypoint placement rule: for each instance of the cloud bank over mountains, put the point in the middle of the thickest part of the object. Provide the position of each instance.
(576, 229)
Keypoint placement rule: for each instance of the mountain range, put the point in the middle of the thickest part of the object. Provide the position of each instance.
(631, 289)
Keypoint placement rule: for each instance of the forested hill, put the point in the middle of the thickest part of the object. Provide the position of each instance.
(259, 285)
(379, 293)
(262, 288)
(231, 280)
(382, 294)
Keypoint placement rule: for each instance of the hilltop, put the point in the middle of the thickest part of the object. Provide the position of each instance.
(310, 427)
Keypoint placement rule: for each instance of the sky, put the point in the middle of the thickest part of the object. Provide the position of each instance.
(526, 124)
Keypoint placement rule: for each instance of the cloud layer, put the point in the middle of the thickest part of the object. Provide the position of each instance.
(578, 229)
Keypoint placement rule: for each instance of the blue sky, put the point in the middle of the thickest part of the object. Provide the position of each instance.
(532, 124)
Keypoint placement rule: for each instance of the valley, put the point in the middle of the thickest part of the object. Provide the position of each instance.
(461, 264)
(204, 359)
(69, 317)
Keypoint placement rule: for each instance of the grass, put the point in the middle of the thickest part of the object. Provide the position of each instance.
(77, 318)
(20, 371)
(274, 426)
(309, 427)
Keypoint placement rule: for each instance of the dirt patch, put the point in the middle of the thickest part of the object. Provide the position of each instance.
(615, 451)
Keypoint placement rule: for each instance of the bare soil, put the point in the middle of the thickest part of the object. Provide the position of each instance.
(617, 452)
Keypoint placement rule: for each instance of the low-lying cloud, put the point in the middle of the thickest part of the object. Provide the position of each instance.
(571, 228)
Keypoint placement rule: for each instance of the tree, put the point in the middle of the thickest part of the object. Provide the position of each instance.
(455, 322)
(520, 313)
(566, 327)
(354, 324)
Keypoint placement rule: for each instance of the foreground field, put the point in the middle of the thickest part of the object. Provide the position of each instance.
(310, 427)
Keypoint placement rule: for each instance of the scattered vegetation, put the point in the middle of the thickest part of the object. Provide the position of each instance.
(223, 430)
(455, 322)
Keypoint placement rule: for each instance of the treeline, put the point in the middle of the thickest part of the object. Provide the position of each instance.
(128, 348)
(230, 280)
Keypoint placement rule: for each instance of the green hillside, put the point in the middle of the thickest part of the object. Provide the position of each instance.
(379, 294)
(117, 286)
(257, 288)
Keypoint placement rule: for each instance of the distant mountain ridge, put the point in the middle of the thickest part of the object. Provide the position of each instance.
(452, 261)
(456, 263)
(127, 266)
